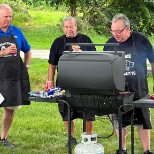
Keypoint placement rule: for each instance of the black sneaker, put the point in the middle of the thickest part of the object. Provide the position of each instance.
(123, 151)
(5, 142)
(73, 141)
(148, 152)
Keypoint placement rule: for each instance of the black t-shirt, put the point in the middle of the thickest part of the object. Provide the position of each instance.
(59, 46)
(142, 45)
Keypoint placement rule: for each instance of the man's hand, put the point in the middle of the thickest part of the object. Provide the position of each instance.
(10, 50)
(125, 92)
(76, 48)
(49, 85)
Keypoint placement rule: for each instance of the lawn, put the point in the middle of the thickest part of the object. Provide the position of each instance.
(38, 128)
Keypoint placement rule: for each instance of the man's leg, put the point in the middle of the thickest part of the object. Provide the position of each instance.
(7, 120)
(115, 123)
(72, 127)
(89, 127)
(145, 138)
(124, 135)
(73, 139)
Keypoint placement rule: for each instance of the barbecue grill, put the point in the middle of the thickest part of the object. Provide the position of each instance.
(92, 80)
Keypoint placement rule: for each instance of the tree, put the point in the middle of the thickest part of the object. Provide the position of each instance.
(20, 10)
(99, 13)
(139, 12)
(72, 6)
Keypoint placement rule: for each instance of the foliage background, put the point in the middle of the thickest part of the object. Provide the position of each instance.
(97, 14)
(38, 128)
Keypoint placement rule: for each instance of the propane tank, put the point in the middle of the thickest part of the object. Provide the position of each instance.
(89, 145)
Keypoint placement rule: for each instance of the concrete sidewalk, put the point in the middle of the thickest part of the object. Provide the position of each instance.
(43, 54)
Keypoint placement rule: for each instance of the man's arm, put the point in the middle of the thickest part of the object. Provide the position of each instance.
(27, 58)
(51, 73)
(152, 68)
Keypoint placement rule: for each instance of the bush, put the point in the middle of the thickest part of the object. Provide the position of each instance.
(20, 11)
(139, 12)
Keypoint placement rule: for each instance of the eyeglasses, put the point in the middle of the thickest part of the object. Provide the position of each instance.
(117, 31)
(68, 27)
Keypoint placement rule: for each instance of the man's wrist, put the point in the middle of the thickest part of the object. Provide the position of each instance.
(1, 53)
(27, 66)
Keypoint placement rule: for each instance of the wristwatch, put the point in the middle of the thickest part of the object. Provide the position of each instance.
(27, 66)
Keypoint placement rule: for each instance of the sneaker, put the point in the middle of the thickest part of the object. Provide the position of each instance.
(73, 141)
(5, 142)
(148, 152)
(123, 151)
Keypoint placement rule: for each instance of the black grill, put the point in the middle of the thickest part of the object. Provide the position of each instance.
(93, 80)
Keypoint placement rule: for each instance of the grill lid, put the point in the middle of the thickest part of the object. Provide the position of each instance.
(91, 72)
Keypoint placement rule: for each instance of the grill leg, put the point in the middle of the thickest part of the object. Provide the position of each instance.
(69, 130)
(132, 131)
(120, 130)
(69, 125)
(84, 122)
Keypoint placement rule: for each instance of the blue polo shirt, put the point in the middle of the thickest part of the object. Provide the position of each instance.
(23, 45)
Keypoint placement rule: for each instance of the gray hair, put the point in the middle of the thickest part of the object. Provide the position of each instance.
(122, 17)
(70, 18)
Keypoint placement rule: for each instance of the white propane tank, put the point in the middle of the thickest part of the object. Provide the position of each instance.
(89, 145)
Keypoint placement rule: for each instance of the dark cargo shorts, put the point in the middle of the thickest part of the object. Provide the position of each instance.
(142, 118)
(63, 109)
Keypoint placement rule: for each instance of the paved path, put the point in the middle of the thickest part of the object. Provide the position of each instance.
(43, 54)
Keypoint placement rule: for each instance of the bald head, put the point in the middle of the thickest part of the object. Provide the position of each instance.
(5, 16)
(4, 6)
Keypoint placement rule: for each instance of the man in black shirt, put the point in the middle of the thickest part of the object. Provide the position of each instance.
(137, 50)
(56, 50)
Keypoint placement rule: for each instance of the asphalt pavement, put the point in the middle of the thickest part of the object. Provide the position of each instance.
(43, 54)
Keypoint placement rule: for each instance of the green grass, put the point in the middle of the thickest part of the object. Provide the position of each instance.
(44, 26)
(38, 128)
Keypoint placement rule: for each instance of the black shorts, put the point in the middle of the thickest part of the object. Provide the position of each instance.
(142, 116)
(63, 109)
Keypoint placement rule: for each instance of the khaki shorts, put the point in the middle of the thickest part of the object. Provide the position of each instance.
(13, 107)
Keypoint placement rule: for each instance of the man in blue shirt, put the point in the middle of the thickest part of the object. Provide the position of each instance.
(14, 79)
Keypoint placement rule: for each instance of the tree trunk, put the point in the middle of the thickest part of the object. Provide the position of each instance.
(73, 8)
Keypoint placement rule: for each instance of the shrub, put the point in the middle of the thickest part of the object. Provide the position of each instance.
(20, 11)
